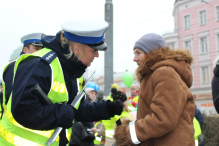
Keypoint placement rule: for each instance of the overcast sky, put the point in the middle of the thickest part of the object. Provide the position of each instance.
(132, 19)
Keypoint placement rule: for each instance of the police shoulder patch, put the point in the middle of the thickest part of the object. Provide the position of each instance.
(49, 57)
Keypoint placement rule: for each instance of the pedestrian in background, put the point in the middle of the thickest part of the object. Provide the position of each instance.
(55, 68)
(100, 95)
(133, 99)
(166, 107)
(215, 84)
(90, 95)
(110, 125)
(199, 117)
(113, 86)
(76, 136)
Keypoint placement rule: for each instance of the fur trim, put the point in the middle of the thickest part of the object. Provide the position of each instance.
(162, 54)
(121, 136)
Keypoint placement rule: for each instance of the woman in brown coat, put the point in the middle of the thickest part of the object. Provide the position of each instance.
(166, 106)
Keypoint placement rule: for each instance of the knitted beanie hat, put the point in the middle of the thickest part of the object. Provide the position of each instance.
(115, 86)
(135, 86)
(118, 95)
(88, 90)
(149, 42)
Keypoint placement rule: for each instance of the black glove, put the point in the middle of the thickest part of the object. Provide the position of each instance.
(114, 107)
(75, 111)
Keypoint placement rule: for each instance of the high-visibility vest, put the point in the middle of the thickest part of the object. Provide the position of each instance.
(97, 139)
(80, 80)
(11, 132)
(135, 99)
(109, 97)
(3, 93)
(111, 124)
(197, 129)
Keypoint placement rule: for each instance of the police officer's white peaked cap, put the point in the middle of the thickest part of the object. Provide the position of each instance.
(86, 31)
(33, 38)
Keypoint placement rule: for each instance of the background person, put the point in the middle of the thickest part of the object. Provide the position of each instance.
(133, 99)
(166, 107)
(115, 86)
(110, 125)
(76, 139)
(215, 84)
(90, 95)
(199, 117)
(100, 95)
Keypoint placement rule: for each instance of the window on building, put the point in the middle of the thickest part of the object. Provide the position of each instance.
(187, 21)
(217, 11)
(205, 75)
(204, 45)
(188, 45)
(203, 20)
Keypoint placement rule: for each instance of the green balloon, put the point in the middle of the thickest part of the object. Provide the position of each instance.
(128, 78)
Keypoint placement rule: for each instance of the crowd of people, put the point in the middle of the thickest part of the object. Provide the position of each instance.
(164, 107)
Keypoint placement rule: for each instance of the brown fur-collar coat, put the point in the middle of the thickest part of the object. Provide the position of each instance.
(166, 107)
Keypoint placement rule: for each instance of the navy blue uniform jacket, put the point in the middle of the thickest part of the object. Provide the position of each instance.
(215, 88)
(26, 108)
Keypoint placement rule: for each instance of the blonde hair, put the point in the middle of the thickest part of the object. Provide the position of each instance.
(65, 41)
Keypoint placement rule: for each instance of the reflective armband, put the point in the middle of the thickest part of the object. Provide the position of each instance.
(133, 133)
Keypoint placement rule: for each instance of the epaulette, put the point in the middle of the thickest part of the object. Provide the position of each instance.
(49, 57)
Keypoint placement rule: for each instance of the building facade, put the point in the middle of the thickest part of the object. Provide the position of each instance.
(196, 25)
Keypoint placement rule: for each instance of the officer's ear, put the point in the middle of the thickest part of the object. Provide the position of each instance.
(25, 50)
(76, 49)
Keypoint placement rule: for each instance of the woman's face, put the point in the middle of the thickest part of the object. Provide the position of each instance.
(140, 56)
(88, 55)
(133, 91)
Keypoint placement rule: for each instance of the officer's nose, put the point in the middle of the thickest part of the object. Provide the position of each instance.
(97, 53)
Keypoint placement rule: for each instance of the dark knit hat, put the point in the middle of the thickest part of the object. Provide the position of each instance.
(118, 95)
(149, 42)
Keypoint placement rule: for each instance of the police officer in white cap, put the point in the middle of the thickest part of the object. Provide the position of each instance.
(56, 68)
(32, 42)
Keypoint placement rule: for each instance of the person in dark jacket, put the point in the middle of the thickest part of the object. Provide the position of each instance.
(100, 95)
(199, 117)
(31, 43)
(72, 50)
(76, 137)
(215, 85)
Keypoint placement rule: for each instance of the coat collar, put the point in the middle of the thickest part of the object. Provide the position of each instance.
(180, 60)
